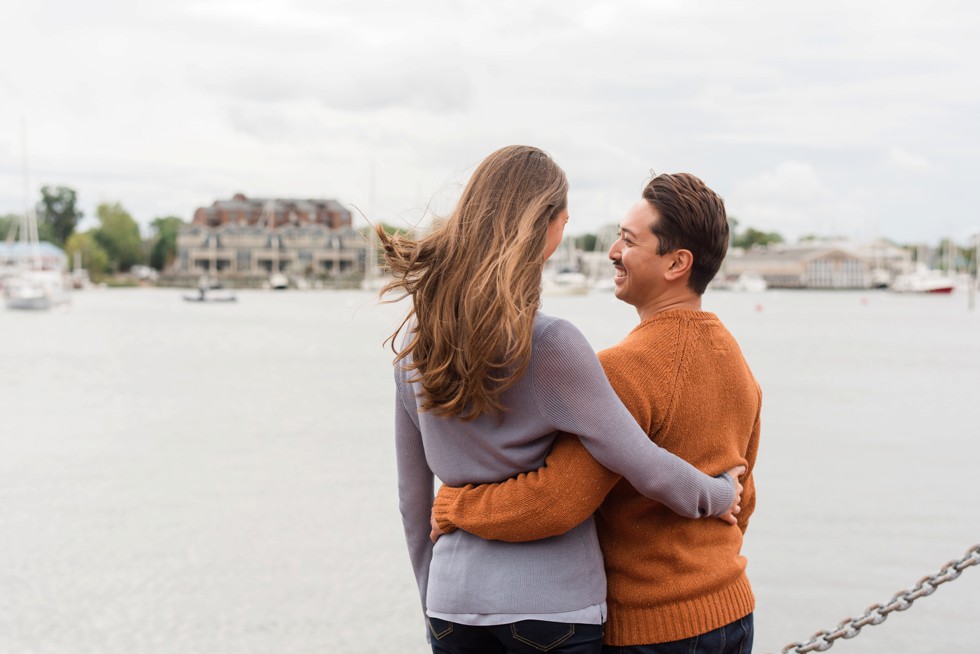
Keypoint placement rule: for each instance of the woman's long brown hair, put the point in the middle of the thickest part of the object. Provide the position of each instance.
(475, 283)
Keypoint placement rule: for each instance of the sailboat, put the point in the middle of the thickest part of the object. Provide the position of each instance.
(374, 277)
(563, 275)
(923, 280)
(32, 286)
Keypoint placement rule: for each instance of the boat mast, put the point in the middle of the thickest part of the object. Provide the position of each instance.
(371, 257)
(28, 224)
(971, 295)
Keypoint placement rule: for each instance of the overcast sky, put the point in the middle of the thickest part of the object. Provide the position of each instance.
(852, 118)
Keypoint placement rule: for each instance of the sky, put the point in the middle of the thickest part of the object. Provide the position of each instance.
(832, 118)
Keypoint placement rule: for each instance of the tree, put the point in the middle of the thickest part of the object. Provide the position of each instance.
(57, 214)
(13, 220)
(969, 254)
(119, 235)
(45, 233)
(585, 242)
(94, 258)
(6, 221)
(751, 237)
(164, 245)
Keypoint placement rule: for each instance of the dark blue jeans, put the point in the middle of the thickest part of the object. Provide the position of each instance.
(733, 638)
(524, 637)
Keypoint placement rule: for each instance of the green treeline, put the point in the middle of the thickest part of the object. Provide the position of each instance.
(962, 256)
(115, 246)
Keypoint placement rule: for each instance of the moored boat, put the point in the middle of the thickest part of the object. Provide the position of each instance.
(924, 280)
(749, 283)
(565, 282)
(211, 296)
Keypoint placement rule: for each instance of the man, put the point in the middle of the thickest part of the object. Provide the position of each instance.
(674, 585)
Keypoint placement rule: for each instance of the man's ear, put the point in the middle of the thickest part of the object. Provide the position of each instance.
(681, 262)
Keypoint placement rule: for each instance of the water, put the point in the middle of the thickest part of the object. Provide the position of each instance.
(219, 478)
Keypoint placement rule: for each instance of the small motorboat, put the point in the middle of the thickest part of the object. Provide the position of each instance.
(211, 295)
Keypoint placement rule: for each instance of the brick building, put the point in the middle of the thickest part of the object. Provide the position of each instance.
(253, 238)
(273, 213)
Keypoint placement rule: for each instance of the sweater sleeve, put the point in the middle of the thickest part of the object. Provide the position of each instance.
(415, 492)
(538, 504)
(575, 396)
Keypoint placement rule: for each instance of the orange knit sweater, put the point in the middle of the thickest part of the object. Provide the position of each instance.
(683, 377)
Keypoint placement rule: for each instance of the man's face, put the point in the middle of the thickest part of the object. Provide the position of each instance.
(639, 269)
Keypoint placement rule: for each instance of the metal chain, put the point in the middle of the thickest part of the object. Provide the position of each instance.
(878, 613)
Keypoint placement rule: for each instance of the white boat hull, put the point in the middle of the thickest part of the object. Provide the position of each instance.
(35, 291)
(923, 282)
(278, 282)
(39, 303)
(749, 283)
(565, 283)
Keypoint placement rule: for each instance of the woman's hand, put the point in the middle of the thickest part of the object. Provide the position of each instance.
(733, 510)
(436, 532)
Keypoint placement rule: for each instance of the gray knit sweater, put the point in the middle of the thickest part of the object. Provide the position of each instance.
(563, 389)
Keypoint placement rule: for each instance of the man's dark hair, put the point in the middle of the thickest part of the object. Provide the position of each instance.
(692, 217)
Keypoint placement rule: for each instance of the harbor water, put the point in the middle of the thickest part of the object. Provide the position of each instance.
(219, 478)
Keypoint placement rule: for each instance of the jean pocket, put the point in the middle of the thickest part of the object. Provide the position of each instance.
(748, 633)
(541, 635)
(439, 628)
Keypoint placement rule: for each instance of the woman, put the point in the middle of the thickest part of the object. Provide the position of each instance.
(484, 382)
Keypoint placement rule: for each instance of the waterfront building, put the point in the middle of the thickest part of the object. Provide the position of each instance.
(250, 239)
(820, 264)
(885, 256)
(802, 266)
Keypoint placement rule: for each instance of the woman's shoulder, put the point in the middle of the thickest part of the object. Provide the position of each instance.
(559, 337)
(552, 330)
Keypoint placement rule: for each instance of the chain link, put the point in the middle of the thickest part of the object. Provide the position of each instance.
(878, 613)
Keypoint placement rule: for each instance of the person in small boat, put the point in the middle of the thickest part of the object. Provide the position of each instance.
(484, 381)
(675, 585)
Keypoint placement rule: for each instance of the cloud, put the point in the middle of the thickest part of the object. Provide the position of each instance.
(790, 182)
(806, 118)
(434, 88)
(359, 80)
(793, 200)
(902, 159)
